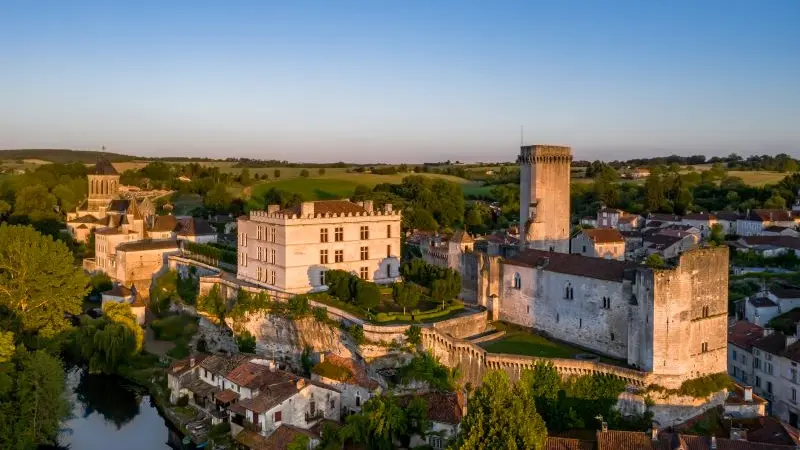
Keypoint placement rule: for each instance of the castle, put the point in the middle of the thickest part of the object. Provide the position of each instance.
(670, 321)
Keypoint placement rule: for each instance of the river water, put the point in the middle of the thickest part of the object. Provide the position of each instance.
(110, 413)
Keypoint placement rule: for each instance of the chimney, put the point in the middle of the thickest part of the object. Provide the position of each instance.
(713, 443)
(387, 207)
(604, 427)
(272, 209)
(654, 432)
(748, 393)
(368, 205)
(307, 209)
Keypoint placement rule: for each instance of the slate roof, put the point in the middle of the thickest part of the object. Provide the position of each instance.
(104, 167)
(727, 215)
(785, 291)
(329, 207)
(85, 219)
(663, 241)
(762, 302)
(743, 334)
(664, 217)
(699, 216)
(776, 228)
(604, 235)
(573, 264)
(118, 291)
(775, 241)
(774, 343)
(195, 227)
(222, 365)
(147, 244)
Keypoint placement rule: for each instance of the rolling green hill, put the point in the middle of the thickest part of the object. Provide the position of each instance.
(62, 156)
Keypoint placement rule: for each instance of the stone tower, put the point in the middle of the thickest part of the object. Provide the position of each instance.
(103, 185)
(544, 209)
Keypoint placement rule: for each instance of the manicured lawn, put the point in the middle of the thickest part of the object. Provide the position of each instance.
(517, 341)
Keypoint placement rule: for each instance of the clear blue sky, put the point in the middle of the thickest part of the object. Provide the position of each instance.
(402, 80)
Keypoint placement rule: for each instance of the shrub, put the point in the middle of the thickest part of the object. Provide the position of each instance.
(246, 342)
(367, 295)
(321, 313)
(357, 332)
(183, 400)
(705, 386)
(414, 335)
(175, 327)
(329, 370)
(298, 306)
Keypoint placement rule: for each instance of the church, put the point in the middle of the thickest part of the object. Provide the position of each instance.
(669, 321)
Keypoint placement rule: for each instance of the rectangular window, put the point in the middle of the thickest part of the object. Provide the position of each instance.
(734, 355)
(769, 387)
(272, 277)
(388, 231)
(277, 416)
(244, 240)
(735, 372)
(364, 253)
(260, 253)
(338, 256)
(323, 235)
(322, 278)
(768, 368)
(793, 375)
(758, 381)
(757, 363)
(338, 234)
(273, 234)
(389, 251)
(272, 256)
(323, 256)
(794, 395)
(259, 273)
(364, 273)
(704, 347)
(364, 232)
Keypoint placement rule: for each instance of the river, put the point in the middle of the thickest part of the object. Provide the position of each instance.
(110, 413)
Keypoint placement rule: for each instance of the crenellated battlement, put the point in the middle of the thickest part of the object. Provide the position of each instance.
(260, 215)
(544, 154)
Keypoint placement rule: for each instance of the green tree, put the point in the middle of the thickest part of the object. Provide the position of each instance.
(244, 177)
(35, 203)
(501, 416)
(6, 346)
(276, 173)
(246, 342)
(382, 421)
(406, 295)
(414, 335)
(717, 234)
(218, 198)
(421, 219)
(300, 442)
(654, 188)
(32, 400)
(39, 282)
(5, 208)
(214, 304)
(321, 171)
(654, 261)
(304, 173)
(368, 295)
(776, 201)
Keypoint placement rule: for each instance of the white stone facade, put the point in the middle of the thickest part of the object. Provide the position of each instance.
(290, 250)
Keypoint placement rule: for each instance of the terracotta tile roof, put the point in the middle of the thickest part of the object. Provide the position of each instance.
(743, 334)
(248, 374)
(147, 244)
(165, 223)
(357, 373)
(633, 440)
(772, 431)
(329, 207)
(774, 343)
(277, 386)
(280, 439)
(182, 366)
(573, 264)
(109, 231)
(762, 302)
(222, 365)
(628, 218)
(560, 443)
(604, 235)
(442, 407)
(736, 397)
(104, 167)
(201, 388)
(769, 215)
(226, 396)
(118, 291)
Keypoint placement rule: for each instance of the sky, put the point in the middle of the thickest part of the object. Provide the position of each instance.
(401, 81)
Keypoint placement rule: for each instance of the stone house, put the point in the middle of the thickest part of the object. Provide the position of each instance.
(669, 246)
(662, 220)
(702, 221)
(762, 307)
(755, 221)
(768, 246)
(609, 217)
(589, 221)
(445, 411)
(605, 243)
(768, 361)
(349, 377)
(630, 222)
(447, 251)
(777, 230)
(121, 294)
(727, 220)
(289, 250)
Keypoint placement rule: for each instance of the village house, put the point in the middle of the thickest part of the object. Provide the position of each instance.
(768, 246)
(654, 440)
(446, 251)
(701, 221)
(768, 361)
(763, 306)
(755, 221)
(669, 245)
(349, 377)
(777, 230)
(121, 294)
(609, 217)
(445, 411)
(630, 222)
(289, 250)
(605, 243)
(589, 221)
(727, 220)
(661, 220)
